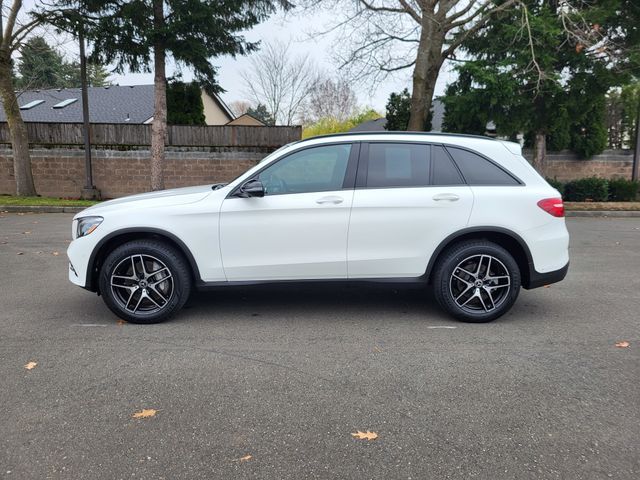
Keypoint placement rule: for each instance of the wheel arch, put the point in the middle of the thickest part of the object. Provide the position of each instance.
(120, 237)
(509, 240)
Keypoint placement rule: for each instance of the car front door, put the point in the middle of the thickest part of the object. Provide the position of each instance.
(298, 230)
(408, 198)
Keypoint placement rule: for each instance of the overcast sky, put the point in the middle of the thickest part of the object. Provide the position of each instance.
(287, 28)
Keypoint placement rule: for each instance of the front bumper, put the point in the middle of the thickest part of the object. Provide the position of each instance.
(79, 254)
(537, 279)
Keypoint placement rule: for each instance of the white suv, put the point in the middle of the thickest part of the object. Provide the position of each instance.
(467, 215)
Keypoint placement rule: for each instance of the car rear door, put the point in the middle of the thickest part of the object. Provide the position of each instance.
(298, 230)
(408, 198)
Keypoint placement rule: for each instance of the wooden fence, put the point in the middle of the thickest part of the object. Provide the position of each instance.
(103, 134)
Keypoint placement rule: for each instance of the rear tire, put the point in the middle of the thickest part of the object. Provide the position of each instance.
(476, 281)
(145, 281)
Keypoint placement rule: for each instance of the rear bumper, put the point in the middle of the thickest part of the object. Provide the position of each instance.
(537, 279)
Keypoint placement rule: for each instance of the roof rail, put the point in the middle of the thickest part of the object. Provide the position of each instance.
(391, 132)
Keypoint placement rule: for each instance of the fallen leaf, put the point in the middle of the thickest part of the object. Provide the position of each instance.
(622, 344)
(20, 253)
(31, 365)
(55, 254)
(579, 47)
(246, 458)
(120, 322)
(365, 435)
(26, 233)
(547, 286)
(145, 413)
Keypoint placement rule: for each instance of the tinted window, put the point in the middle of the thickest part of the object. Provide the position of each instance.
(318, 169)
(478, 170)
(444, 171)
(398, 165)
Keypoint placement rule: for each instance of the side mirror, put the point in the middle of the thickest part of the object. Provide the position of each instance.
(252, 188)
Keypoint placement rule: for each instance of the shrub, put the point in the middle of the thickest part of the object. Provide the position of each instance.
(327, 125)
(590, 189)
(557, 184)
(622, 190)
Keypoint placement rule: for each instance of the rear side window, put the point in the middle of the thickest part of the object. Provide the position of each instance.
(478, 170)
(444, 171)
(398, 165)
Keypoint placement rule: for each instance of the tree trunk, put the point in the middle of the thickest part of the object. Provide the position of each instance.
(425, 72)
(159, 124)
(17, 129)
(540, 152)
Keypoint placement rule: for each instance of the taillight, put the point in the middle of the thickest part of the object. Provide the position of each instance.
(553, 206)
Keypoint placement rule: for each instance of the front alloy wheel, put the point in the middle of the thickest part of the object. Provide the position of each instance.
(145, 281)
(142, 284)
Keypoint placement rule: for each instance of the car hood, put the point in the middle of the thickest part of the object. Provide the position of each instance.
(162, 198)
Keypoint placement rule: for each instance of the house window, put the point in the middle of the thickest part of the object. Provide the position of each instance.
(29, 105)
(66, 102)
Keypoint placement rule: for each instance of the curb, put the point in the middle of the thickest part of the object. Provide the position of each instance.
(39, 209)
(603, 213)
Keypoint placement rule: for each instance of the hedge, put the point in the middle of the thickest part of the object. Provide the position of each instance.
(597, 189)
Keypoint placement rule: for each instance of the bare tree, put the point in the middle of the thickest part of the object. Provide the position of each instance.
(239, 107)
(382, 37)
(280, 81)
(14, 32)
(331, 99)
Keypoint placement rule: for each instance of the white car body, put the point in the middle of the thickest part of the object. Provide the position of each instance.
(348, 233)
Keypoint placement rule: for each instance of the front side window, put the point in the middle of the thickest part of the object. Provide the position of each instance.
(398, 165)
(316, 169)
(478, 170)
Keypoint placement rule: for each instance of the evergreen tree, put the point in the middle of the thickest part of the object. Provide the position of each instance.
(398, 110)
(549, 83)
(184, 104)
(42, 66)
(261, 113)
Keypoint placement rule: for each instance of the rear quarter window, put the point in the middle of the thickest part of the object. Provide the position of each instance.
(477, 170)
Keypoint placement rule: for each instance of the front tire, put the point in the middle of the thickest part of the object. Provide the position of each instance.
(145, 281)
(476, 281)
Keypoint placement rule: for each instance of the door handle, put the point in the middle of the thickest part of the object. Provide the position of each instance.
(332, 199)
(450, 197)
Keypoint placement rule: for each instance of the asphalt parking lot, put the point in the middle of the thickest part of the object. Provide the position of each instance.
(269, 383)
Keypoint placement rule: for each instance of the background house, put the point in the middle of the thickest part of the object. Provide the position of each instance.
(112, 104)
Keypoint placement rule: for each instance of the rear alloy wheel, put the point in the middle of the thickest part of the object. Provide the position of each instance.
(477, 281)
(145, 281)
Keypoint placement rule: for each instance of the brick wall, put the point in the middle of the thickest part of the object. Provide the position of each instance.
(59, 172)
(568, 166)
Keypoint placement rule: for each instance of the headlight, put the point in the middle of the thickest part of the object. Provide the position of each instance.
(87, 225)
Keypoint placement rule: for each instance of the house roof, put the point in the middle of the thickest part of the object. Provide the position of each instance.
(114, 104)
(225, 108)
(246, 119)
(376, 125)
